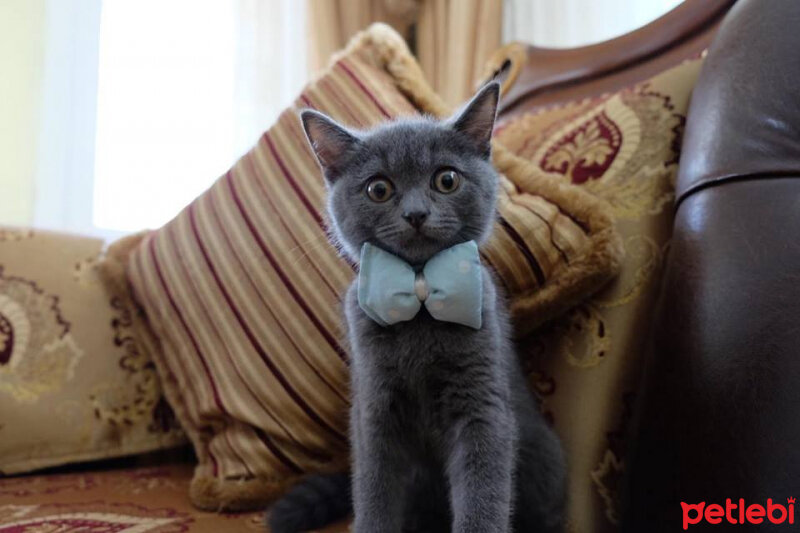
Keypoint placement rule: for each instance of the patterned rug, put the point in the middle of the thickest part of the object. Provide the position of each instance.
(137, 500)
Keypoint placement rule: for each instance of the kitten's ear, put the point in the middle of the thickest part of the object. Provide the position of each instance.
(329, 140)
(476, 121)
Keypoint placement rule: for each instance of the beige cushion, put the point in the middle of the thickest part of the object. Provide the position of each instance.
(74, 384)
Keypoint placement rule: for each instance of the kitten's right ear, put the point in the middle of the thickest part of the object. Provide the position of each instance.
(330, 141)
(476, 121)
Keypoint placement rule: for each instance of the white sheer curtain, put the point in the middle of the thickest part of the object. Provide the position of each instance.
(570, 23)
(157, 99)
(66, 125)
(271, 62)
(145, 102)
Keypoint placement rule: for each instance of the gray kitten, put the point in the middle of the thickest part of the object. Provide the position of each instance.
(446, 435)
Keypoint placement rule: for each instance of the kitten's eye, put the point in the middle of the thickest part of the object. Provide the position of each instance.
(446, 181)
(379, 189)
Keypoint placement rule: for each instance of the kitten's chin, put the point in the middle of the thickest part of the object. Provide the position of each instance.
(418, 247)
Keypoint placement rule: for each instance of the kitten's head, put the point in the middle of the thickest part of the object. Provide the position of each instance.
(412, 187)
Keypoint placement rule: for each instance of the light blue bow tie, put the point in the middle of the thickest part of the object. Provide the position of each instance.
(450, 285)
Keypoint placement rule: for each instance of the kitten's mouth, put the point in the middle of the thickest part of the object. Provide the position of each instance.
(419, 235)
(417, 244)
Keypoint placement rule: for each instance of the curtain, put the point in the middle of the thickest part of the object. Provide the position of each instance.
(452, 38)
(109, 101)
(66, 125)
(333, 22)
(270, 63)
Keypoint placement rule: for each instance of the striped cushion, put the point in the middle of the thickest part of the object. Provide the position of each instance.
(242, 289)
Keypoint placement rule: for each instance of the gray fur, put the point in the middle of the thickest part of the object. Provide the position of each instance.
(446, 435)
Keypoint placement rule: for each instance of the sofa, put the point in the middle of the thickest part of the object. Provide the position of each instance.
(707, 421)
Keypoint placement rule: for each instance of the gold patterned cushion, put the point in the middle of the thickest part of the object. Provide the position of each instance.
(74, 384)
(622, 148)
(242, 289)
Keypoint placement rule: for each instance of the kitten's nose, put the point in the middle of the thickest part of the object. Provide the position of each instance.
(415, 218)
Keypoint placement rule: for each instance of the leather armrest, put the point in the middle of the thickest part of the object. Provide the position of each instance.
(723, 382)
(745, 112)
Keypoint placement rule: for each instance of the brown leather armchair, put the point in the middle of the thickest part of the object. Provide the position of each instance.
(716, 409)
(723, 379)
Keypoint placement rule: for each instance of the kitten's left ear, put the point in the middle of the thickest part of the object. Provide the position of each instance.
(476, 121)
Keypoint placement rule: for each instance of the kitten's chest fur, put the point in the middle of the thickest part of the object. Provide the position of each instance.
(429, 372)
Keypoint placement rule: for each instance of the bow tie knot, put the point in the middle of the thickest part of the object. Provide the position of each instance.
(421, 286)
(449, 285)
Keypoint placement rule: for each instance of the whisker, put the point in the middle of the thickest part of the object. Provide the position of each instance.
(306, 252)
(312, 242)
